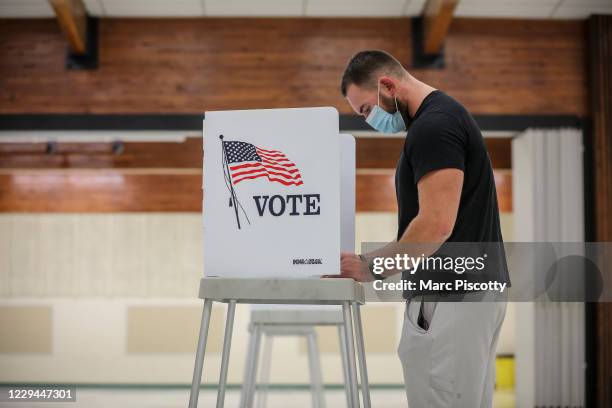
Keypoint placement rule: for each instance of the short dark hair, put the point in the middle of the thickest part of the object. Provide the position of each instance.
(363, 65)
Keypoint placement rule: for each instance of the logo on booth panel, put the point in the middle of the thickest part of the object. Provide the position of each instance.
(244, 161)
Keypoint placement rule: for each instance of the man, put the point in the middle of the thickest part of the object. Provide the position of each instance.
(445, 194)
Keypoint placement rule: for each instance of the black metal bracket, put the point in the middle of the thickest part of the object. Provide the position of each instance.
(118, 147)
(51, 147)
(89, 60)
(192, 122)
(420, 59)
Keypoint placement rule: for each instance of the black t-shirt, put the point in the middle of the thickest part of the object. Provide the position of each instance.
(444, 135)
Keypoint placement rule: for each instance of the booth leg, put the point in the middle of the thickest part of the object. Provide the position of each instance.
(343, 358)
(227, 344)
(199, 360)
(350, 348)
(250, 374)
(363, 371)
(316, 377)
(248, 367)
(262, 397)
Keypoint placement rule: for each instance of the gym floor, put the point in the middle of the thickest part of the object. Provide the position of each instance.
(177, 397)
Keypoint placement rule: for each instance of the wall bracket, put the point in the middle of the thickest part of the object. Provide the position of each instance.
(88, 60)
(420, 59)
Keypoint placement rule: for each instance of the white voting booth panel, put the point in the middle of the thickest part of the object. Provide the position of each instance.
(271, 193)
(347, 192)
(347, 216)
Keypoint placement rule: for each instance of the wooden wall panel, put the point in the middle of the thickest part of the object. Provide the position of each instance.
(166, 176)
(169, 190)
(375, 191)
(372, 153)
(100, 191)
(600, 44)
(383, 153)
(194, 65)
(503, 185)
(186, 154)
(378, 152)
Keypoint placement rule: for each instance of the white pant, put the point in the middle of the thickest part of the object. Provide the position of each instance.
(452, 364)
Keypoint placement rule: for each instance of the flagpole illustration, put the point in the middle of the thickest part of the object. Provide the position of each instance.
(230, 185)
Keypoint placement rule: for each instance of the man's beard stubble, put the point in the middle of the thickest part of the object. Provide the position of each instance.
(388, 104)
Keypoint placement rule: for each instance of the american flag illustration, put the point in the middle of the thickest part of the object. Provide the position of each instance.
(246, 161)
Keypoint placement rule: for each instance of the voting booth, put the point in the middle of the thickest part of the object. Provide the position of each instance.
(279, 203)
(271, 193)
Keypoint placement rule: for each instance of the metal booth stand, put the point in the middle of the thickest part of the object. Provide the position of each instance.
(312, 291)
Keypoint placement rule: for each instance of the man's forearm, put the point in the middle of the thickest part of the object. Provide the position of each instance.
(422, 237)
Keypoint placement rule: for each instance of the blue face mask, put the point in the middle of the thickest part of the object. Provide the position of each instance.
(384, 121)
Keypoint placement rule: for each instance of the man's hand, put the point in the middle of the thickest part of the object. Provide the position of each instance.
(351, 266)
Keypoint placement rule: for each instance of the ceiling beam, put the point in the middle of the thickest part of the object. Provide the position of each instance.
(72, 18)
(437, 16)
(429, 31)
(81, 32)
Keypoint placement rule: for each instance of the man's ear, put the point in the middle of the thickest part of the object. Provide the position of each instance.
(387, 86)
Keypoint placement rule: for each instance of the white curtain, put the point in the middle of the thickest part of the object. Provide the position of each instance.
(548, 190)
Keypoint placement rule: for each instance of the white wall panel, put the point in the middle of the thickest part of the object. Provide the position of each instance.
(152, 8)
(253, 8)
(94, 7)
(578, 11)
(25, 256)
(380, 8)
(375, 227)
(567, 9)
(25, 8)
(100, 254)
(414, 7)
(492, 9)
(94, 264)
(55, 257)
(5, 254)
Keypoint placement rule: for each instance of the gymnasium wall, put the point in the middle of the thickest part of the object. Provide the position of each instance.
(100, 262)
(193, 65)
(100, 251)
(111, 299)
